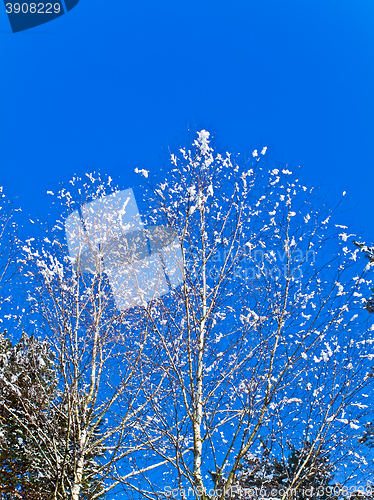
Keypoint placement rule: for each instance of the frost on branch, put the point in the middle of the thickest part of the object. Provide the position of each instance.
(263, 340)
(264, 343)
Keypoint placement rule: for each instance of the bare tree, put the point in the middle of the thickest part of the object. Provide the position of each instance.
(266, 338)
(102, 347)
(9, 253)
(231, 320)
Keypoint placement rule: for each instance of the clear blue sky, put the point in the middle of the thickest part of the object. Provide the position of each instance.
(111, 85)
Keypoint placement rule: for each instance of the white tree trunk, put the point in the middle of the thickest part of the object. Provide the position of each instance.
(75, 492)
(198, 410)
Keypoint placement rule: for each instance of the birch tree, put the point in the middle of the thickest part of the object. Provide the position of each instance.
(9, 258)
(255, 336)
(266, 338)
(103, 352)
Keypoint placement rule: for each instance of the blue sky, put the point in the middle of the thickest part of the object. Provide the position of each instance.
(111, 85)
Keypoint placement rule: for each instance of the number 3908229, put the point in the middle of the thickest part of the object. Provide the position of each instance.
(33, 8)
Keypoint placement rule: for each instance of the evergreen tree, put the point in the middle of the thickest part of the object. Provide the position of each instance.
(369, 254)
(302, 474)
(312, 470)
(36, 441)
(368, 436)
(28, 384)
